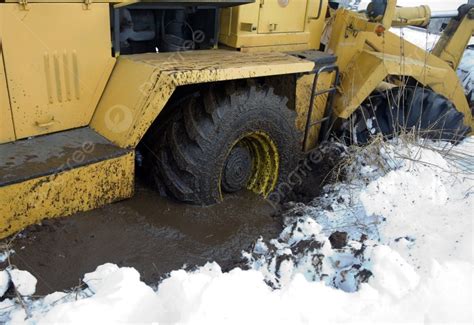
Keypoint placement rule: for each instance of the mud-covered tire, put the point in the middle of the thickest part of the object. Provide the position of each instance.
(408, 109)
(192, 152)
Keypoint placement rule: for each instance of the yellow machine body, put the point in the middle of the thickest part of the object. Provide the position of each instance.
(274, 25)
(60, 83)
(56, 75)
(125, 113)
(366, 59)
(7, 133)
(64, 193)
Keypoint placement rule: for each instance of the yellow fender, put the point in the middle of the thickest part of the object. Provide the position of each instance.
(141, 85)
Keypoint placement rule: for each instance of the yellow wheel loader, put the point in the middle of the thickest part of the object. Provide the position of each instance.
(207, 97)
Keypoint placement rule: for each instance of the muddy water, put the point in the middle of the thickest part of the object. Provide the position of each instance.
(150, 233)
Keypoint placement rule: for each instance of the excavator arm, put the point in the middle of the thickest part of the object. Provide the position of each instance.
(453, 40)
(367, 52)
(456, 36)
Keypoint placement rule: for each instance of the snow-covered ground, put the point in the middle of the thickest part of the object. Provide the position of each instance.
(392, 242)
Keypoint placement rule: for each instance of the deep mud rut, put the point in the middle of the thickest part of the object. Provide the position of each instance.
(156, 235)
(147, 232)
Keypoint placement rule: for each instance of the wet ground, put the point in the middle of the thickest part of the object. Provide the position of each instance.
(152, 234)
(156, 235)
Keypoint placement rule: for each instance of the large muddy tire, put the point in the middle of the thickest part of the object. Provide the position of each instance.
(408, 109)
(226, 140)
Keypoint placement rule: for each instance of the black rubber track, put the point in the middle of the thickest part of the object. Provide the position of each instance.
(192, 151)
(408, 109)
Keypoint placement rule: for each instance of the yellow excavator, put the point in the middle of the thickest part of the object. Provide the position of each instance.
(205, 97)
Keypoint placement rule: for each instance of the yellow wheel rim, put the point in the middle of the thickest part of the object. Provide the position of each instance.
(265, 162)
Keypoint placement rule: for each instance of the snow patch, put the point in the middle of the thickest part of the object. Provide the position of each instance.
(24, 282)
(5, 254)
(4, 282)
(392, 274)
(391, 242)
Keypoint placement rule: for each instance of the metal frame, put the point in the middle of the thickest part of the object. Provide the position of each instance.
(326, 121)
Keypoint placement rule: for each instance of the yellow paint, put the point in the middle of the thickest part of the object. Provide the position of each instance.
(57, 60)
(7, 132)
(412, 16)
(65, 193)
(316, 24)
(282, 17)
(266, 161)
(303, 96)
(56, 76)
(258, 40)
(428, 69)
(271, 23)
(369, 69)
(276, 48)
(366, 59)
(389, 14)
(71, 1)
(141, 85)
(452, 44)
(349, 31)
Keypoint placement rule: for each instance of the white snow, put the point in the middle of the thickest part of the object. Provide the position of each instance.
(435, 5)
(417, 36)
(95, 279)
(24, 282)
(120, 296)
(392, 273)
(418, 201)
(466, 72)
(4, 282)
(412, 202)
(407, 209)
(5, 254)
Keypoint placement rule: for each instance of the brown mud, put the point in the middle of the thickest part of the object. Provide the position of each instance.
(156, 235)
(147, 232)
